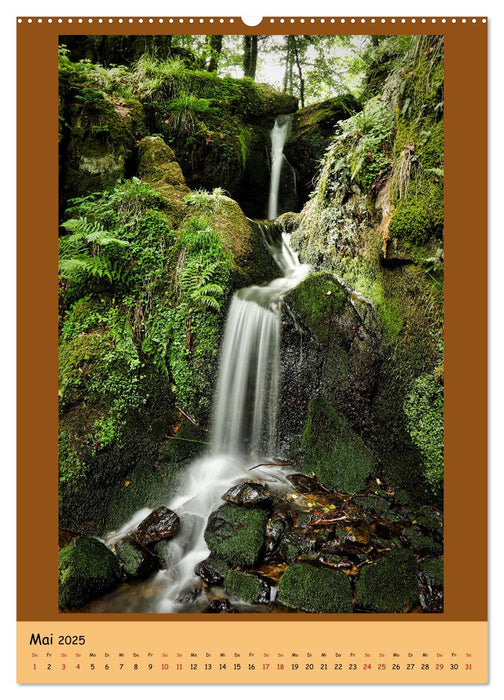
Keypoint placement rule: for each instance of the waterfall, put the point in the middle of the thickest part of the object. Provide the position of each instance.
(244, 416)
(244, 425)
(279, 135)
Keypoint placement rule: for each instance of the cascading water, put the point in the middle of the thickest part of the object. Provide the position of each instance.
(279, 135)
(244, 418)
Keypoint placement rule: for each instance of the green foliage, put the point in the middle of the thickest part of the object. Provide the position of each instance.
(71, 467)
(202, 282)
(207, 202)
(315, 589)
(89, 251)
(364, 145)
(185, 111)
(424, 407)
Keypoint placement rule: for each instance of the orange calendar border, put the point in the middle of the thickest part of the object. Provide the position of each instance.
(465, 350)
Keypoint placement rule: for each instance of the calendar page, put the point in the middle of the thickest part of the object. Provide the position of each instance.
(252, 350)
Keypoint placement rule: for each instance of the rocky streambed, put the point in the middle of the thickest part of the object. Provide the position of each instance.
(304, 548)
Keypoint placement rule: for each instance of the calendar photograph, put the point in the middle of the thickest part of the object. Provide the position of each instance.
(251, 324)
(252, 269)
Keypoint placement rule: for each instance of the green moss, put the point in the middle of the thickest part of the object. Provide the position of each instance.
(188, 441)
(332, 450)
(434, 570)
(236, 534)
(418, 540)
(314, 589)
(87, 568)
(317, 300)
(424, 407)
(136, 562)
(389, 585)
(419, 217)
(244, 586)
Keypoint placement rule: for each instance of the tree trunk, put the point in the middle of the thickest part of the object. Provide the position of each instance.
(300, 73)
(215, 43)
(250, 56)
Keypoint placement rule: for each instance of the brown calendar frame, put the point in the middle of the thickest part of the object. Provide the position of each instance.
(465, 246)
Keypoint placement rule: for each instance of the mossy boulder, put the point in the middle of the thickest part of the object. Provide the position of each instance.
(247, 587)
(321, 304)
(338, 456)
(158, 166)
(87, 568)
(237, 534)
(389, 585)
(136, 561)
(98, 140)
(315, 589)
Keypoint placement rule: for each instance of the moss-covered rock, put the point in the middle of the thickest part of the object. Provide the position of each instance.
(332, 450)
(418, 540)
(247, 587)
(310, 135)
(315, 589)
(136, 561)
(320, 303)
(98, 139)
(433, 570)
(237, 534)
(157, 166)
(87, 568)
(389, 585)
(212, 571)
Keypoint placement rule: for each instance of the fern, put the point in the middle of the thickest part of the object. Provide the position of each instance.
(81, 253)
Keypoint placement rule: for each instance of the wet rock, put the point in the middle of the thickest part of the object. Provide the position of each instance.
(161, 524)
(303, 483)
(189, 595)
(136, 561)
(237, 534)
(247, 587)
(315, 589)
(431, 585)
(275, 528)
(169, 550)
(249, 494)
(219, 605)
(87, 568)
(389, 585)
(212, 571)
(295, 544)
